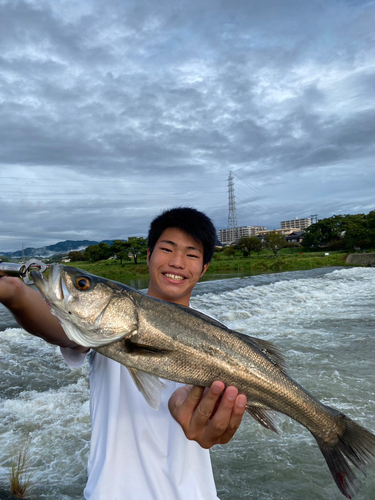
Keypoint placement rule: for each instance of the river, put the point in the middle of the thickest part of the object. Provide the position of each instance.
(324, 322)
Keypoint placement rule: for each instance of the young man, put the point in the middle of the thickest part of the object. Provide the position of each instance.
(137, 453)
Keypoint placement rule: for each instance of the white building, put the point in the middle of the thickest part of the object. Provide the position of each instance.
(229, 236)
(296, 223)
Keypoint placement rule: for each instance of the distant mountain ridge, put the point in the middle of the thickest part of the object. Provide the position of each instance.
(62, 247)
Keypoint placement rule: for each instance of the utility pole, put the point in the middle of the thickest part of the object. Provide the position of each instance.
(232, 214)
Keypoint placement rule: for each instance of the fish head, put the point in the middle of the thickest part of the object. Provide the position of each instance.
(93, 311)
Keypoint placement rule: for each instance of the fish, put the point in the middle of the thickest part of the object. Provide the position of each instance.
(157, 339)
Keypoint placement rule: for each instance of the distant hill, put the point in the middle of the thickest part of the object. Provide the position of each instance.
(63, 247)
(60, 248)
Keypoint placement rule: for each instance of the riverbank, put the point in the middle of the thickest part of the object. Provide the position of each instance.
(221, 264)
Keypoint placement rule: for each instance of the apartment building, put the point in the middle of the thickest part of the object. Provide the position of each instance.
(296, 223)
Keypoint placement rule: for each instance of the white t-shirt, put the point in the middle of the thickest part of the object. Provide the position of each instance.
(138, 453)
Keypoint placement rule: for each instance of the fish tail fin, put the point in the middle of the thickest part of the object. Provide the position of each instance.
(354, 447)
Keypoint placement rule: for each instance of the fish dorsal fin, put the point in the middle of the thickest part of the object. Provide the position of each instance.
(149, 385)
(272, 352)
(262, 416)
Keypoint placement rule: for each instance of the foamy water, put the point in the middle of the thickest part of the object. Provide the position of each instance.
(323, 321)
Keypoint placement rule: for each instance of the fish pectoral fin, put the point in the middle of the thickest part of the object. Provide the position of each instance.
(262, 416)
(149, 385)
(132, 347)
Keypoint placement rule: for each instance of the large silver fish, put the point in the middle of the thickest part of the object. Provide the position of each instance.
(153, 338)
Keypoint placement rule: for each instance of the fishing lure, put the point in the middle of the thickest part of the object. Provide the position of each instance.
(22, 270)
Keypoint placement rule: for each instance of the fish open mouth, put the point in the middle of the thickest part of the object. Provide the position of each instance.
(56, 283)
(39, 280)
(52, 288)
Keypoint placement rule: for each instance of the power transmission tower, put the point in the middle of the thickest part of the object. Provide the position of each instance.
(232, 214)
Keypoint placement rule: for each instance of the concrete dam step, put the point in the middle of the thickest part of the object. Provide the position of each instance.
(361, 259)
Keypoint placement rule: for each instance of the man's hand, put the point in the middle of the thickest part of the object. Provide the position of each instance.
(32, 313)
(10, 288)
(208, 416)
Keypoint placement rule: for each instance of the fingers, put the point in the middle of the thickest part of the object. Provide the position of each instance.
(208, 416)
(227, 418)
(222, 424)
(183, 403)
(193, 406)
(206, 406)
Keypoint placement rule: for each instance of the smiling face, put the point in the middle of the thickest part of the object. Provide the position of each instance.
(175, 266)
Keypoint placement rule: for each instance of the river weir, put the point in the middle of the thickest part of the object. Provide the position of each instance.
(323, 320)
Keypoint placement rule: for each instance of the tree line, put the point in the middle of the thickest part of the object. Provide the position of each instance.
(273, 241)
(342, 232)
(131, 249)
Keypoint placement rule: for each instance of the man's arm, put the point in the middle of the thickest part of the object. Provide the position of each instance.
(32, 313)
(208, 416)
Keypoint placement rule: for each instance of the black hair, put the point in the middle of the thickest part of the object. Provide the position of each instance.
(196, 224)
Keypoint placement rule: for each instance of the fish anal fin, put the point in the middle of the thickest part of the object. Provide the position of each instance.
(262, 416)
(149, 385)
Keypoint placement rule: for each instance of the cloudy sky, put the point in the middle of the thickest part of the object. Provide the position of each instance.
(114, 110)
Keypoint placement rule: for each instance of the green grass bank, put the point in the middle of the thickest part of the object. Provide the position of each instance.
(222, 264)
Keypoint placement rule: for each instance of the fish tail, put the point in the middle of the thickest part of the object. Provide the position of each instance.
(353, 448)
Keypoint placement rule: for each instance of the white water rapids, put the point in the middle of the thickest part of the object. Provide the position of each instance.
(323, 321)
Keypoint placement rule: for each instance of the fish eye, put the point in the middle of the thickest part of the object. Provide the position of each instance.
(83, 283)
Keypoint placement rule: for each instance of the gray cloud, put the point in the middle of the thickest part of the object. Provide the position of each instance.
(113, 111)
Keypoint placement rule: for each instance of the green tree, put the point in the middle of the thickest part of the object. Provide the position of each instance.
(75, 256)
(97, 252)
(249, 244)
(352, 230)
(370, 229)
(274, 241)
(136, 247)
(341, 232)
(323, 232)
(120, 249)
